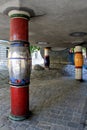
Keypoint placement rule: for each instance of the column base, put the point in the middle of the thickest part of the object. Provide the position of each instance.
(81, 80)
(78, 74)
(47, 68)
(20, 118)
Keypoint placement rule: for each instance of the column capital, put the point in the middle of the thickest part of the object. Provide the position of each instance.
(19, 14)
(78, 48)
(48, 48)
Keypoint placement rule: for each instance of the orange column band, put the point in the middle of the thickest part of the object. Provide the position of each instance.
(78, 60)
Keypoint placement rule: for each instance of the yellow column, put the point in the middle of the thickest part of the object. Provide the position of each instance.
(78, 62)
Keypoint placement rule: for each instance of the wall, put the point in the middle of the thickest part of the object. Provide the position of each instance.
(58, 58)
(3, 55)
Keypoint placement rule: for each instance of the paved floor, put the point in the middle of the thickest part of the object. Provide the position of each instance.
(57, 101)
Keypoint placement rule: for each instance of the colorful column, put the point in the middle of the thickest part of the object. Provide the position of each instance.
(46, 58)
(78, 62)
(19, 63)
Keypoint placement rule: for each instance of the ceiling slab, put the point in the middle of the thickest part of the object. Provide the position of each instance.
(53, 22)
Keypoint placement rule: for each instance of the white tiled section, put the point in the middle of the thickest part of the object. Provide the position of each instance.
(3, 58)
(78, 73)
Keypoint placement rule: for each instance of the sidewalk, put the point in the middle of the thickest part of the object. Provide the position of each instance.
(57, 100)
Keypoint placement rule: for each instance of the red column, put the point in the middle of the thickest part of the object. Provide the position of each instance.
(19, 65)
(18, 29)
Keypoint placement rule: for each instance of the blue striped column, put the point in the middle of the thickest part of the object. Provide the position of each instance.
(46, 58)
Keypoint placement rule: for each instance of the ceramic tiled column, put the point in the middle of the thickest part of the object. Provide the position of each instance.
(46, 58)
(19, 62)
(78, 63)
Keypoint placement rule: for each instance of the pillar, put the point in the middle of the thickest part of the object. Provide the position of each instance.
(46, 58)
(78, 62)
(19, 62)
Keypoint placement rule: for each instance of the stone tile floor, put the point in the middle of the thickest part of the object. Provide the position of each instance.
(57, 100)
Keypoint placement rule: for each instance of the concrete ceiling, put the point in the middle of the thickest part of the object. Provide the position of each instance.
(53, 22)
